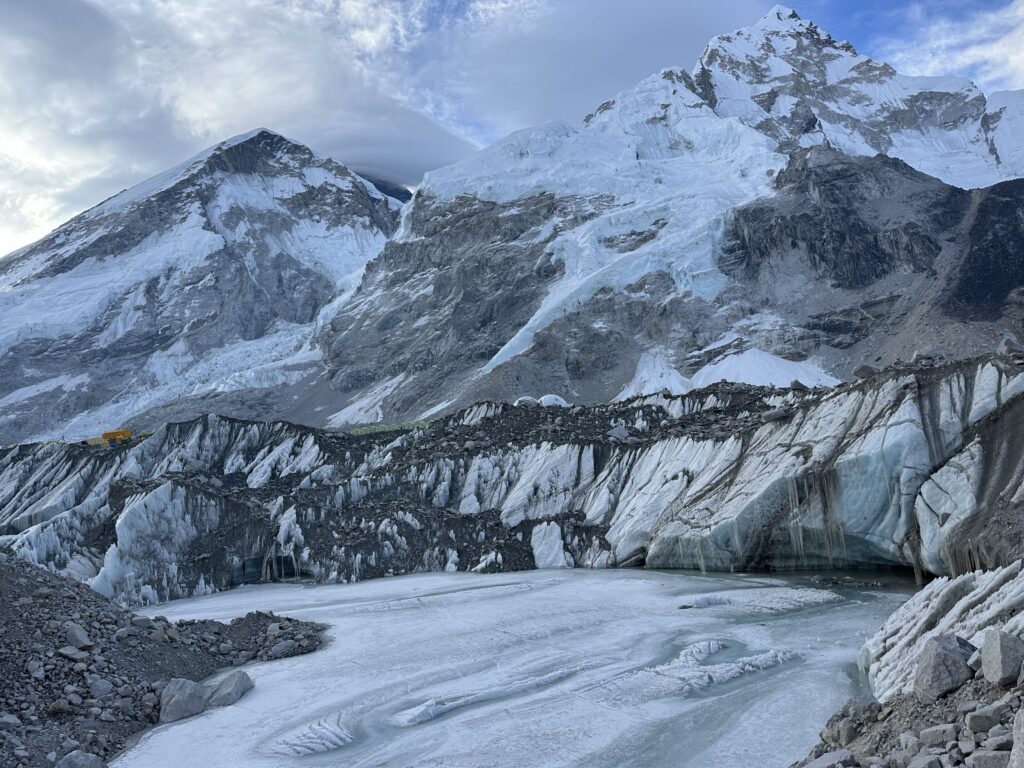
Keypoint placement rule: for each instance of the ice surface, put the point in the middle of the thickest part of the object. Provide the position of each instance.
(655, 373)
(595, 668)
(754, 366)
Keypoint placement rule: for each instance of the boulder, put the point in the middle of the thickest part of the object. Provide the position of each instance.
(98, 687)
(942, 667)
(983, 719)
(282, 647)
(938, 735)
(73, 653)
(181, 698)
(840, 757)
(618, 433)
(81, 759)
(984, 758)
(229, 690)
(1001, 657)
(864, 371)
(1017, 753)
(76, 636)
(925, 761)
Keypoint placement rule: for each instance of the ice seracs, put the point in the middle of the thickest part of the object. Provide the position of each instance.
(907, 467)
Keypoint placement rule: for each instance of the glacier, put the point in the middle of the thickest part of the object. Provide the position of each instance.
(908, 468)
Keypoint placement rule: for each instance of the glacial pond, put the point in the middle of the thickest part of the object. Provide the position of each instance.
(542, 668)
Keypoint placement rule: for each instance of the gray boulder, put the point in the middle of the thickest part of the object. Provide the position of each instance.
(181, 698)
(1001, 657)
(942, 667)
(1017, 753)
(281, 647)
(984, 719)
(618, 433)
(98, 687)
(229, 690)
(925, 761)
(864, 371)
(938, 735)
(77, 636)
(840, 757)
(73, 653)
(988, 759)
(81, 759)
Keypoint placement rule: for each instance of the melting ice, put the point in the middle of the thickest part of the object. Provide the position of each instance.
(541, 668)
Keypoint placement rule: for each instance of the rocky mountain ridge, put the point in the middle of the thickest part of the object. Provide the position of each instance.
(211, 277)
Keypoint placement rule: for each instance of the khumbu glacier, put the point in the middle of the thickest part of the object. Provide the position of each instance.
(682, 424)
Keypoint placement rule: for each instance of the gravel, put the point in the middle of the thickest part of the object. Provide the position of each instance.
(80, 675)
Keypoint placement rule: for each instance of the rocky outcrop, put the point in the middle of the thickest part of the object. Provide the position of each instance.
(79, 675)
(890, 471)
(971, 712)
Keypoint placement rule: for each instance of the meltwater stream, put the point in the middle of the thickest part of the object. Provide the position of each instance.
(543, 668)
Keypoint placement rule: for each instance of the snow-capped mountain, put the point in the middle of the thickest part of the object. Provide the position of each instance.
(785, 211)
(211, 277)
(619, 255)
(793, 82)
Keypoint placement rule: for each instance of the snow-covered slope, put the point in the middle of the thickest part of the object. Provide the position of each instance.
(914, 467)
(791, 80)
(211, 276)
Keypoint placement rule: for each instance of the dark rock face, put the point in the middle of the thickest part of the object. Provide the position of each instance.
(854, 220)
(988, 280)
(875, 260)
(441, 300)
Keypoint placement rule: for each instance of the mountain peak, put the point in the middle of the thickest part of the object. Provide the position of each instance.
(778, 17)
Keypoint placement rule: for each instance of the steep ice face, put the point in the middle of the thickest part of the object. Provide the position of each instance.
(176, 286)
(640, 160)
(918, 469)
(790, 79)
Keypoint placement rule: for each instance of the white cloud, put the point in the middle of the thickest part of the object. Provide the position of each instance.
(983, 43)
(96, 96)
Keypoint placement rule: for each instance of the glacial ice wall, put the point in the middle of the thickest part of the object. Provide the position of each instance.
(913, 467)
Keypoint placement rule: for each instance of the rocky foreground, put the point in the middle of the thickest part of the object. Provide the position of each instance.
(948, 672)
(80, 675)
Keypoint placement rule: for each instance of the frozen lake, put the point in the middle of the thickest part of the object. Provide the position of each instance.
(542, 668)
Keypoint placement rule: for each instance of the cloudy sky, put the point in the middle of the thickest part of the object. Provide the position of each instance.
(96, 95)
